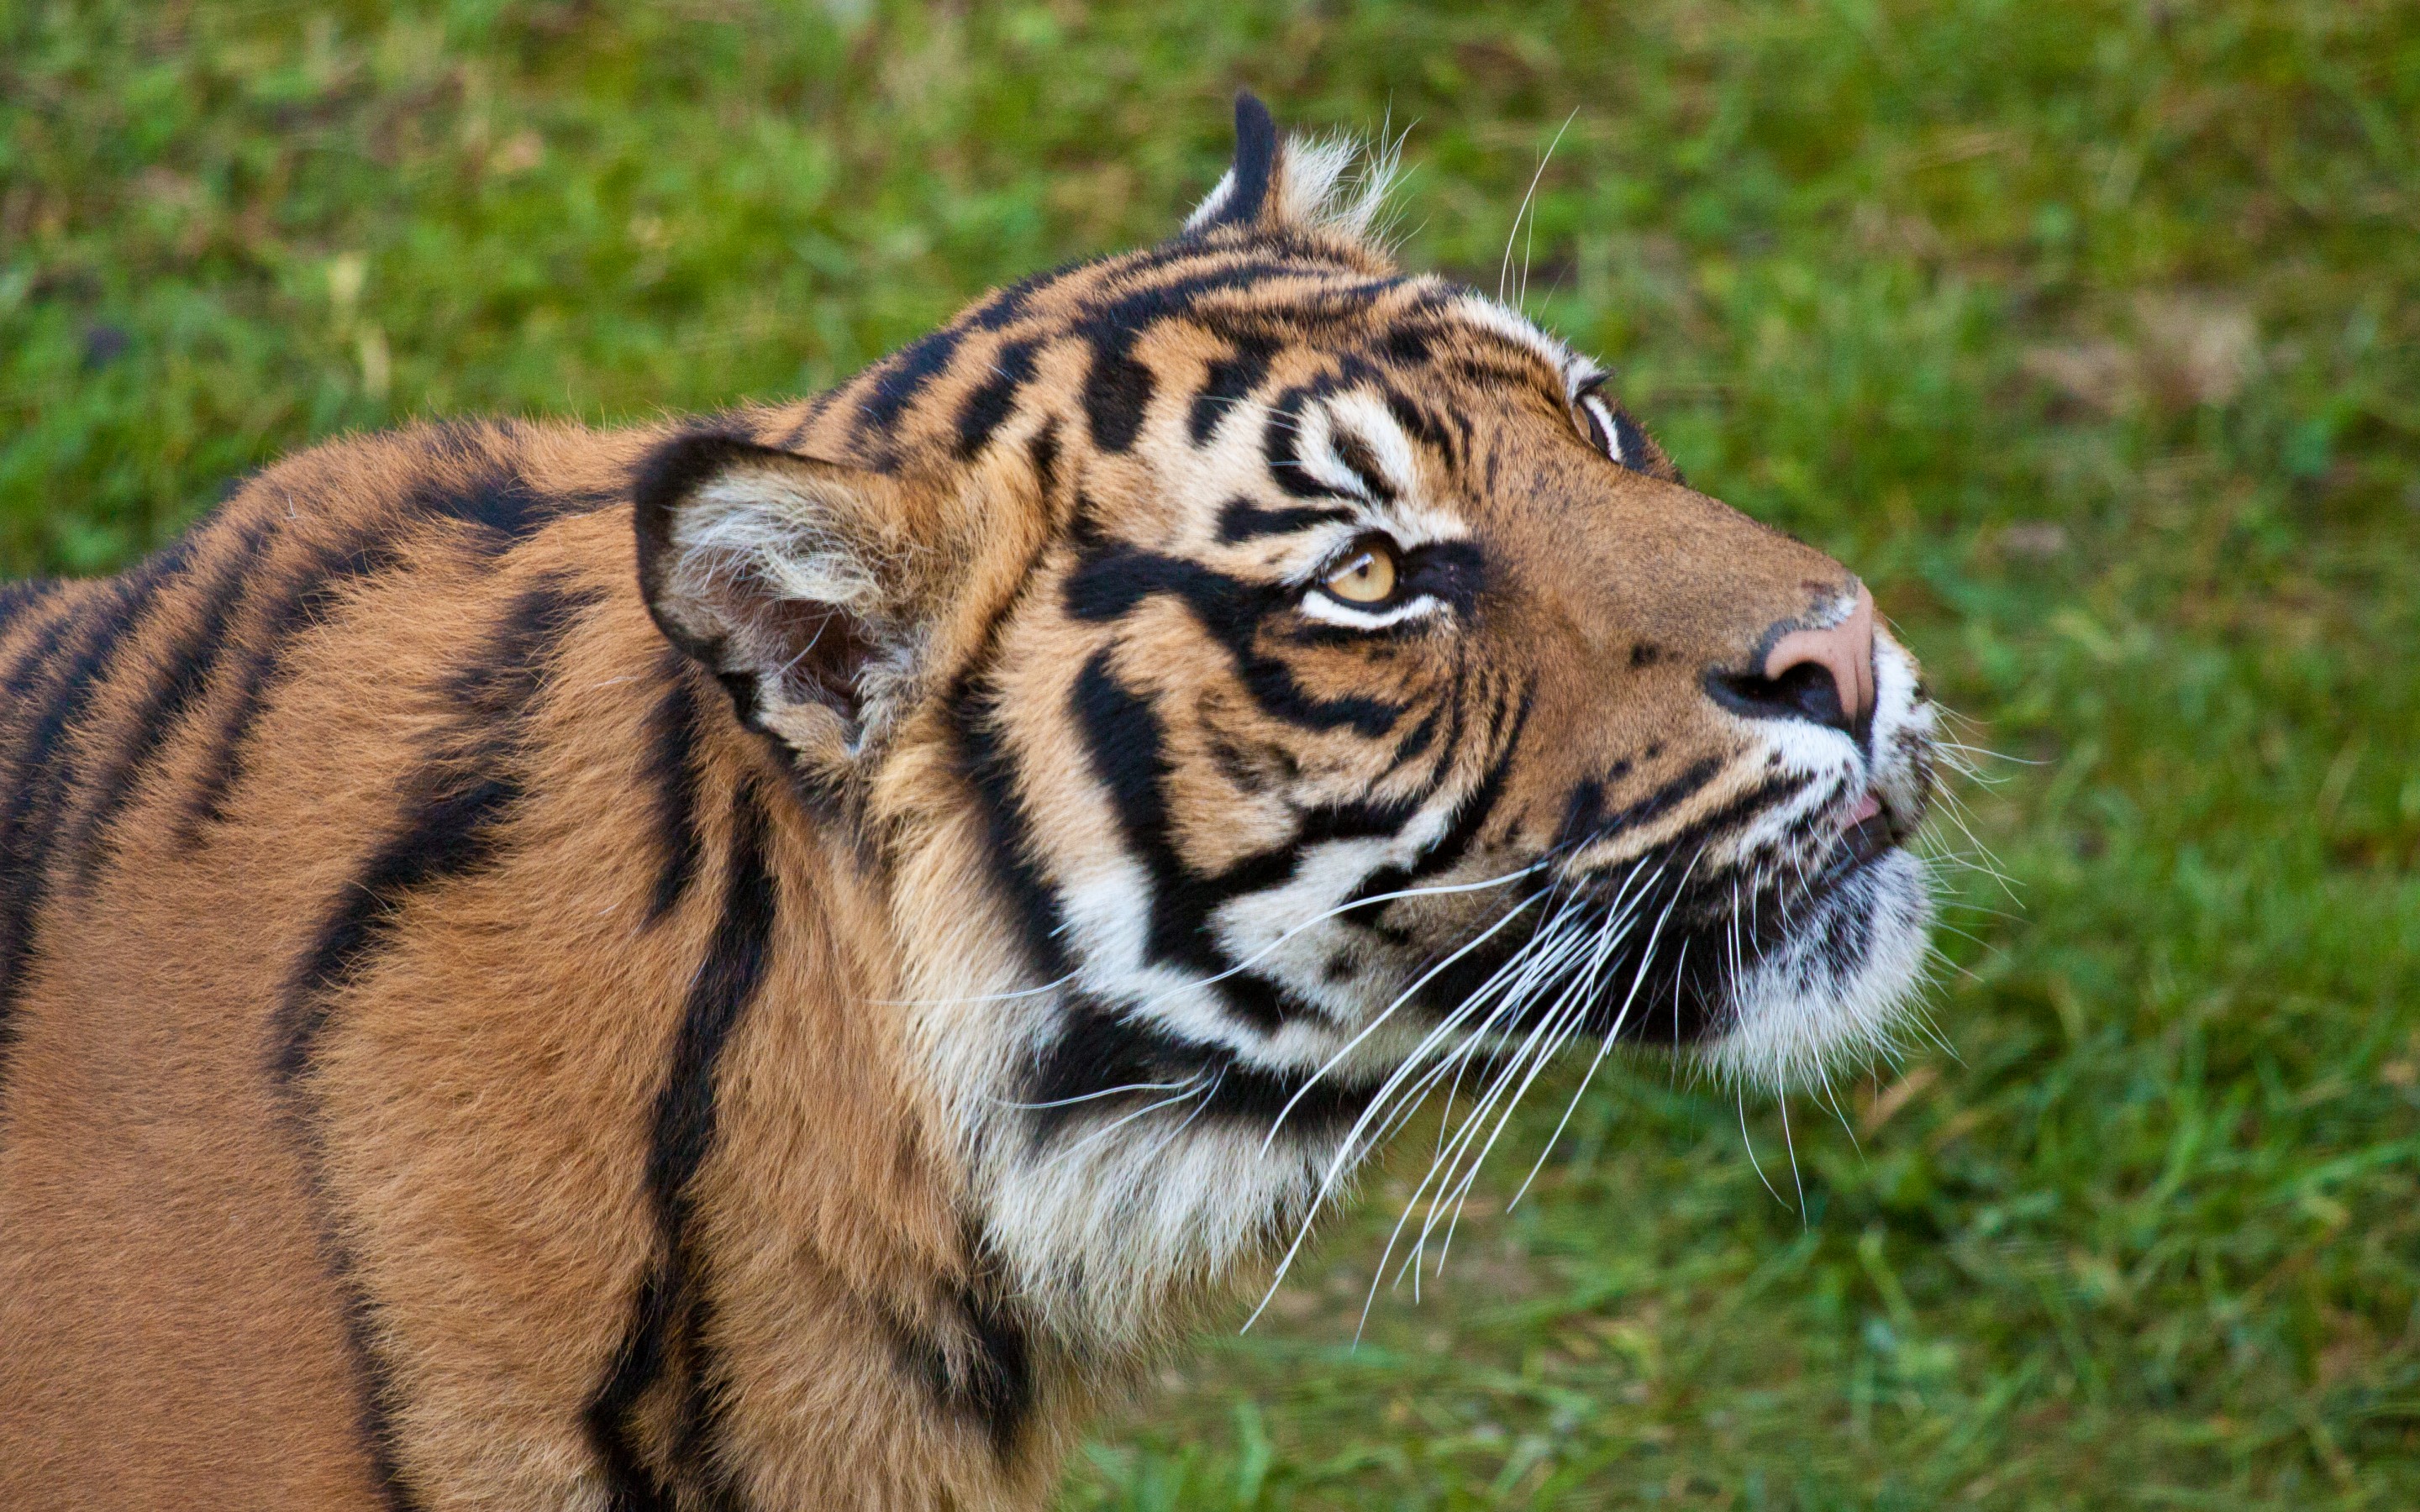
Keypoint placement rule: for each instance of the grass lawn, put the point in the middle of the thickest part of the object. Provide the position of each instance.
(2088, 333)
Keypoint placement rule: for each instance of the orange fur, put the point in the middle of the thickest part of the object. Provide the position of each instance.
(457, 1054)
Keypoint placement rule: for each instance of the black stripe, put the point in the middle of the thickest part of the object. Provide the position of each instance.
(496, 499)
(1043, 453)
(16, 598)
(1127, 745)
(189, 662)
(1535, 372)
(639, 1362)
(1654, 806)
(698, 1426)
(1476, 810)
(1129, 304)
(452, 813)
(1099, 1047)
(42, 762)
(811, 411)
(670, 771)
(505, 678)
(1419, 425)
(1733, 810)
(991, 772)
(486, 488)
(1413, 745)
(1117, 389)
(1124, 737)
(1352, 450)
(1408, 343)
(1004, 306)
(903, 376)
(995, 399)
(733, 968)
(491, 495)
(19, 881)
(32, 667)
(983, 1371)
(1278, 433)
(673, 1304)
(309, 596)
(998, 1384)
(1469, 819)
(450, 829)
(1111, 580)
(1230, 381)
(1241, 520)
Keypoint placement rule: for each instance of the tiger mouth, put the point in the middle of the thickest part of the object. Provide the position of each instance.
(1870, 832)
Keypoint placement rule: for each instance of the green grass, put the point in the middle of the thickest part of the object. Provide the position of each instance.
(2090, 332)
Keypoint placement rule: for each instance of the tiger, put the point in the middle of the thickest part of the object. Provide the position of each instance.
(773, 960)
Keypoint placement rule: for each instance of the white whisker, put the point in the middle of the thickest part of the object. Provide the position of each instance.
(1063, 1156)
(1742, 1099)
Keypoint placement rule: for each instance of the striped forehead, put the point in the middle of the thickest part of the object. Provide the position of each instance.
(1303, 469)
(1198, 345)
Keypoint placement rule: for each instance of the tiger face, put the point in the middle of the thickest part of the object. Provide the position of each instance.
(1278, 688)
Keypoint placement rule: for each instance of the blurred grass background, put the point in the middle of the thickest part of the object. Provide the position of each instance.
(2087, 330)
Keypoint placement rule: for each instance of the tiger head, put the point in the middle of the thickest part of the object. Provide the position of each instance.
(1268, 689)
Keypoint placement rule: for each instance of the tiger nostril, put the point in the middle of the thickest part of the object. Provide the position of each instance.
(1804, 691)
(1826, 675)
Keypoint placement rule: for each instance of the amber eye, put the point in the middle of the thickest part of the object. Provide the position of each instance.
(1366, 577)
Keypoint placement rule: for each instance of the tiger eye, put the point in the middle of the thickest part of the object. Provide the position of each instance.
(1367, 576)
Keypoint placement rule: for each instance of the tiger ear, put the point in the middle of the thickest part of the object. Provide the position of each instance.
(1294, 184)
(1241, 196)
(766, 568)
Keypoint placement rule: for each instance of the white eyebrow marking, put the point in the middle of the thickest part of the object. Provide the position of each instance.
(1513, 326)
(1314, 451)
(1366, 419)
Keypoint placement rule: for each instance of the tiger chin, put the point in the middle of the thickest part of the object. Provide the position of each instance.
(764, 963)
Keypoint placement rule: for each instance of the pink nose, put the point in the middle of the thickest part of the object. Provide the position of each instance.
(1845, 651)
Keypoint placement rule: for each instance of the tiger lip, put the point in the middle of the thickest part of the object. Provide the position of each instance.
(1866, 833)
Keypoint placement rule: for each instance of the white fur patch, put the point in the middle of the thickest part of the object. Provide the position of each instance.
(1809, 1008)
(1516, 328)
(1337, 184)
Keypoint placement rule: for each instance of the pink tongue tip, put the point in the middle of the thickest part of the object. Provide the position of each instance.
(1866, 807)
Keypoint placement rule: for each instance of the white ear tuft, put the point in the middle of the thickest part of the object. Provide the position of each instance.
(1333, 185)
(761, 566)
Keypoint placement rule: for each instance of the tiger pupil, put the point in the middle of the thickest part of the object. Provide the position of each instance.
(1368, 579)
